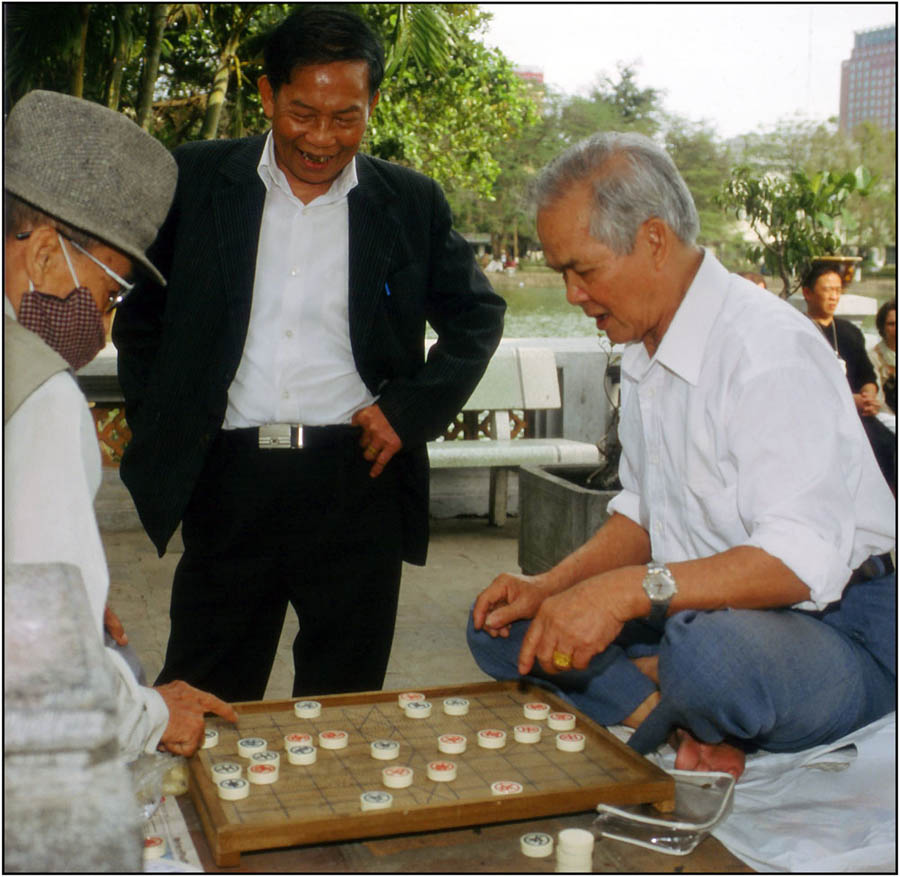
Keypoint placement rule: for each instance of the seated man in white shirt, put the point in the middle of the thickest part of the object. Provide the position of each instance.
(85, 191)
(741, 594)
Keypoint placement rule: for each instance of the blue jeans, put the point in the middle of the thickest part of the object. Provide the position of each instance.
(778, 679)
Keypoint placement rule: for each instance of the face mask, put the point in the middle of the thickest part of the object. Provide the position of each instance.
(72, 326)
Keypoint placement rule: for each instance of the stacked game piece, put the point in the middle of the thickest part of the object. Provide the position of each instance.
(574, 851)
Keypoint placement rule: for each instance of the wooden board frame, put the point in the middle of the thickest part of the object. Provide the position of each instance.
(229, 836)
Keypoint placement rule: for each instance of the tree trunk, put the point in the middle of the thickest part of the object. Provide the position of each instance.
(78, 72)
(223, 74)
(114, 90)
(237, 124)
(158, 15)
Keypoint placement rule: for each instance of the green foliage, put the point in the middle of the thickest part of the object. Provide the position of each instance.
(814, 146)
(448, 109)
(795, 217)
(705, 165)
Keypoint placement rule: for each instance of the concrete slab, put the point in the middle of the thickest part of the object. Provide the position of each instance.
(429, 643)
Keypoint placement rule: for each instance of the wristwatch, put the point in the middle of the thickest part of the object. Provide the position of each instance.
(659, 585)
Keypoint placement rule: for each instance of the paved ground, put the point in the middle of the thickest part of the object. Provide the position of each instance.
(429, 643)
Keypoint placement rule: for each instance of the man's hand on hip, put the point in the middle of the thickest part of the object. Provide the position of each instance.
(379, 441)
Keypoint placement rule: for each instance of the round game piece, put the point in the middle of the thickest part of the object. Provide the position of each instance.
(456, 706)
(441, 771)
(234, 789)
(307, 709)
(225, 770)
(154, 847)
(527, 733)
(561, 721)
(334, 739)
(375, 800)
(409, 697)
(302, 753)
(452, 744)
(574, 850)
(417, 709)
(384, 750)
(536, 844)
(491, 738)
(537, 710)
(570, 741)
(267, 757)
(398, 777)
(210, 738)
(262, 774)
(506, 787)
(297, 740)
(575, 840)
(248, 745)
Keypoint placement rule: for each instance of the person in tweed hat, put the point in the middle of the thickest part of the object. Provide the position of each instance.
(85, 191)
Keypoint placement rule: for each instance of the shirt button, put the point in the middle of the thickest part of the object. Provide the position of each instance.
(285, 394)
(289, 333)
(654, 459)
(293, 272)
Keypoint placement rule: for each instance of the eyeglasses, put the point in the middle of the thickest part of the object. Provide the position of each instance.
(115, 298)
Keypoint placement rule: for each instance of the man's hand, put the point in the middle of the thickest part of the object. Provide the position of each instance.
(379, 441)
(867, 401)
(582, 620)
(114, 626)
(507, 599)
(186, 704)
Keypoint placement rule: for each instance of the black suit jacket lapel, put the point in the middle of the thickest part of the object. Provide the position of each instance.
(237, 211)
(374, 230)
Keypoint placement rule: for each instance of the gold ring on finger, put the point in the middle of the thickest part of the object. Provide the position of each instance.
(561, 660)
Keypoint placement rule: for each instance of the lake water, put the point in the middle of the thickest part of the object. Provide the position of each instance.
(542, 312)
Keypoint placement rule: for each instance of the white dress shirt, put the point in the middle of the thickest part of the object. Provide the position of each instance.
(741, 430)
(297, 365)
(51, 473)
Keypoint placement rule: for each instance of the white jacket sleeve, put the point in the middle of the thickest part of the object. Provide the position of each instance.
(51, 475)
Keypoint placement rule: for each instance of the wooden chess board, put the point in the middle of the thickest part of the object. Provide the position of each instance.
(321, 802)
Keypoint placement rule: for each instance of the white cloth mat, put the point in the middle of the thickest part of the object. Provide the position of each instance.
(829, 809)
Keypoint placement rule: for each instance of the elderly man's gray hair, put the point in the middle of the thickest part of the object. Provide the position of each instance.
(646, 185)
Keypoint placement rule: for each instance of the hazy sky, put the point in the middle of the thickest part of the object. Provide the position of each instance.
(739, 66)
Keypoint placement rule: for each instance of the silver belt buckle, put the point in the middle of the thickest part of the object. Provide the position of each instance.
(280, 435)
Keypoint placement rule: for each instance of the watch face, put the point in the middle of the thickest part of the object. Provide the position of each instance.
(659, 585)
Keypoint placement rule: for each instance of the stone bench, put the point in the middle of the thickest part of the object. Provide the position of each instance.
(519, 378)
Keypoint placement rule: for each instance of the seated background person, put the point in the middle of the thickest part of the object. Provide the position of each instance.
(740, 594)
(822, 288)
(85, 190)
(884, 354)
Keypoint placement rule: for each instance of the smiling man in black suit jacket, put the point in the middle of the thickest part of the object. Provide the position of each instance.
(278, 390)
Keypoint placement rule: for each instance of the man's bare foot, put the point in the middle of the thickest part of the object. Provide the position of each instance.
(694, 755)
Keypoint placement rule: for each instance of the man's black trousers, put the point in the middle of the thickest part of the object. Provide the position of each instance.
(265, 528)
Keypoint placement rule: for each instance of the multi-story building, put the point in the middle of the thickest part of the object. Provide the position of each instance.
(869, 80)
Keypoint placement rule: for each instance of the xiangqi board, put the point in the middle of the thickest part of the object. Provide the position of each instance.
(320, 802)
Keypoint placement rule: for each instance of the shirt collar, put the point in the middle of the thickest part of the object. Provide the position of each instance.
(8, 309)
(272, 175)
(683, 346)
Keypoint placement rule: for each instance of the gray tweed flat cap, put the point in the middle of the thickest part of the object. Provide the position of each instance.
(92, 168)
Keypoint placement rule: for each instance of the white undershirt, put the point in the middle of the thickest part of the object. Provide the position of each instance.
(297, 365)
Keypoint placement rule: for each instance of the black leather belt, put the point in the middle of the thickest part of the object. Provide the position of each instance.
(291, 436)
(876, 566)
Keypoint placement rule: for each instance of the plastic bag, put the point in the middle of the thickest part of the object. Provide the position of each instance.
(702, 800)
